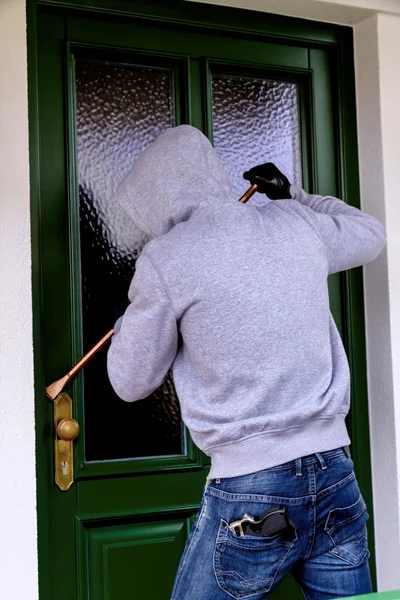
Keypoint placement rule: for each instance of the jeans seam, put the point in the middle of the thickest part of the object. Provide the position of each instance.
(312, 491)
(218, 571)
(364, 556)
(302, 591)
(336, 486)
(333, 454)
(233, 497)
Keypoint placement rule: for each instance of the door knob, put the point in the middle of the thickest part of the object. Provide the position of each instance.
(68, 429)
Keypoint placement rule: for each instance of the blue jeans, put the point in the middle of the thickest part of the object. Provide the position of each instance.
(327, 554)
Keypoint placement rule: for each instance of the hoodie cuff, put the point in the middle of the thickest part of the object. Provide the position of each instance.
(294, 191)
(310, 200)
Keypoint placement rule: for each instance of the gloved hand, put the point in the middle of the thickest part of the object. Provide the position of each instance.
(270, 181)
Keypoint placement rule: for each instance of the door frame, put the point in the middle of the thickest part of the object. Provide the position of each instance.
(249, 24)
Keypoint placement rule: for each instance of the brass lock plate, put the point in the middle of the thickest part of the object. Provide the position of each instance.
(63, 449)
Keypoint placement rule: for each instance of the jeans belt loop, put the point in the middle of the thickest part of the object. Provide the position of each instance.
(347, 451)
(299, 467)
(321, 461)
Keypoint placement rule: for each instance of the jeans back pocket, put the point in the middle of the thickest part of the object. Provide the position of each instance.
(247, 565)
(346, 527)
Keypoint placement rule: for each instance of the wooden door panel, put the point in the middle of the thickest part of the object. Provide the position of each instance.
(140, 494)
(185, 42)
(134, 561)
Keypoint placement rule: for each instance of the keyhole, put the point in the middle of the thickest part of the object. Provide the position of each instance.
(64, 466)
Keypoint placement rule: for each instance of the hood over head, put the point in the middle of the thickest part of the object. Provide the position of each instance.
(173, 177)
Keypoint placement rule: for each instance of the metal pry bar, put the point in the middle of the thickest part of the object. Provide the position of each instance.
(247, 195)
(57, 387)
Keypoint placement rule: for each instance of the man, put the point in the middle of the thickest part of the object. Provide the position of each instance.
(235, 297)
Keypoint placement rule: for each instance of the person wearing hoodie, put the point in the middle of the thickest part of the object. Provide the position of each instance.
(234, 297)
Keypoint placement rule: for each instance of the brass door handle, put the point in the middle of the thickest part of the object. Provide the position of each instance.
(68, 430)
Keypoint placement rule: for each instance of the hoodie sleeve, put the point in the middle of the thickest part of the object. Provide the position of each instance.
(352, 238)
(145, 341)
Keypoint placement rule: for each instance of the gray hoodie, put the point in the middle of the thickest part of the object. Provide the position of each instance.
(235, 297)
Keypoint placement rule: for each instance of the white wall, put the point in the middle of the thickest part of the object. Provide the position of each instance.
(18, 548)
(377, 58)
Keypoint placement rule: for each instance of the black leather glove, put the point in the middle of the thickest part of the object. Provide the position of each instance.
(270, 181)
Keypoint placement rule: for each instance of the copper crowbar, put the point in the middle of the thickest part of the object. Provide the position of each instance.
(57, 387)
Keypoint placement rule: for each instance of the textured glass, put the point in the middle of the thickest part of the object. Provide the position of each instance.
(120, 109)
(256, 121)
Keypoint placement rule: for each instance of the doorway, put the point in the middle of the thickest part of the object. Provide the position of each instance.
(108, 82)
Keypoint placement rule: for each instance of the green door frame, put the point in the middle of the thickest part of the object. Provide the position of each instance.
(264, 27)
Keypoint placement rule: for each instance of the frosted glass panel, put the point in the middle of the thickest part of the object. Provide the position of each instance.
(120, 109)
(256, 121)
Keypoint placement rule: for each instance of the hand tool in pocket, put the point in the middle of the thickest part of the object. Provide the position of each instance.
(57, 387)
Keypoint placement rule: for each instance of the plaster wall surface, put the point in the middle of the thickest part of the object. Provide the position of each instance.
(18, 547)
(377, 62)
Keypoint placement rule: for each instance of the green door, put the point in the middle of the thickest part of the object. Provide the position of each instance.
(106, 85)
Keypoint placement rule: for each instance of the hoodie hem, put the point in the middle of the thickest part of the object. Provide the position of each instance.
(276, 448)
